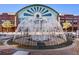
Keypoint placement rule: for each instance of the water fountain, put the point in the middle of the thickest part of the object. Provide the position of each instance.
(39, 27)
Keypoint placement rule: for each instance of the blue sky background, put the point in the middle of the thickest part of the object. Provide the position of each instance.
(61, 8)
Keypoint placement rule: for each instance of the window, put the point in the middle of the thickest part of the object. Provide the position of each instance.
(75, 28)
(61, 20)
(74, 20)
(69, 21)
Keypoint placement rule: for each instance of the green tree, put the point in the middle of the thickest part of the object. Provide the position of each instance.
(7, 24)
(66, 25)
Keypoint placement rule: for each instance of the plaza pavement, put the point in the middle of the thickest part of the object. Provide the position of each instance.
(69, 50)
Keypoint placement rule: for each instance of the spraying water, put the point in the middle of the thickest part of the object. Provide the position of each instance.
(39, 24)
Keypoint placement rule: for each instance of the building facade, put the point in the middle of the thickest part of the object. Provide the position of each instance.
(11, 18)
(72, 19)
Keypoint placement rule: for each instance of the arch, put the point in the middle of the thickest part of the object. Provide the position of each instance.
(37, 5)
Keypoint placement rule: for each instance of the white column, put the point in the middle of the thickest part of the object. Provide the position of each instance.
(15, 22)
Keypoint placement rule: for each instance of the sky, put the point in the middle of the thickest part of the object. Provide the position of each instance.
(60, 8)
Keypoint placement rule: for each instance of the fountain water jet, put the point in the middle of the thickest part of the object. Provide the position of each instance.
(39, 27)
